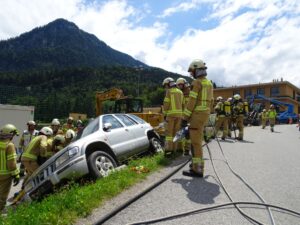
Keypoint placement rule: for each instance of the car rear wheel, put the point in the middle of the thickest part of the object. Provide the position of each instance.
(101, 164)
(155, 145)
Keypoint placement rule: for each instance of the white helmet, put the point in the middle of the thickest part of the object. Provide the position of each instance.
(169, 80)
(180, 81)
(55, 122)
(70, 134)
(8, 131)
(31, 122)
(196, 64)
(220, 98)
(46, 131)
(237, 97)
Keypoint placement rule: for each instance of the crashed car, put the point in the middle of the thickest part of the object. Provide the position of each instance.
(104, 144)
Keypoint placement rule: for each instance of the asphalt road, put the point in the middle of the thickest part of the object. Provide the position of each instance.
(269, 162)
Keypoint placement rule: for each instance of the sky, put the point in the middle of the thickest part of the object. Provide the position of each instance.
(241, 41)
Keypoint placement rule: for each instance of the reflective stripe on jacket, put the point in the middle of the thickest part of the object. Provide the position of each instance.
(201, 97)
(8, 162)
(37, 147)
(173, 102)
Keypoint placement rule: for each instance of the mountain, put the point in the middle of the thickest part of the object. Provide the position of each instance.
(58, 68)
(60, 45)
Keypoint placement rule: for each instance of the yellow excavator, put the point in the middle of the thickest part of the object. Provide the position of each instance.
(124, 104)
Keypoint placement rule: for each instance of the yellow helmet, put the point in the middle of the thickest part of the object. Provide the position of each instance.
(237, 97)
(169, 81)
(8, 131)
(59, 139)
(180, 81)
(220, 98)
(196, 64)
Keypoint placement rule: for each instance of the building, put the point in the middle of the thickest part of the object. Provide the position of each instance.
(280, 90)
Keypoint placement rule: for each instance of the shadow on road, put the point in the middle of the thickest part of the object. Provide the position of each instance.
(199, 190)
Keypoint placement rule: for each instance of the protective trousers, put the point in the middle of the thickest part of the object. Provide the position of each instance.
(197, 122)
(173, 125)
(272, 122)
(222, 121)
(30, 167)
(5, 185)
(263, 123)
(240, 125)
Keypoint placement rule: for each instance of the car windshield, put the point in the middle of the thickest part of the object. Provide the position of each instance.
(89, 129)
(136, 118)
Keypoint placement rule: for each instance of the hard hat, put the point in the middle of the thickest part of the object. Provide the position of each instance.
(197, 64)
(219, 98)
(229, 99)
(180, 81)
(31, 122)
(70, 134)
(70, 118)
(8, 130)
(272, 106)
(59, 139)
(46, 131)
(169, 80)
(55, 122)
(237, 97)
(264, 110)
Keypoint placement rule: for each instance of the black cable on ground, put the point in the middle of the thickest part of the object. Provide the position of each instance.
(187, 213)
(251, 219)
(130, 201)
(242, 179)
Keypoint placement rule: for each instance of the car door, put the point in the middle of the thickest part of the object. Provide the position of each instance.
(138, 130)
(121, 141)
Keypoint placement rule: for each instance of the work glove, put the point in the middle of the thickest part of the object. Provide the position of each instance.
(16, 180)
(184, 123)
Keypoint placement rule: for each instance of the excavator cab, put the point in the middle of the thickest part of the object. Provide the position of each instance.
(128, 105)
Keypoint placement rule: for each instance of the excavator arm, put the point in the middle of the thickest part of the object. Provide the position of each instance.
(111, 94)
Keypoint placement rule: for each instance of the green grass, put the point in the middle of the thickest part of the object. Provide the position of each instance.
(74, 200)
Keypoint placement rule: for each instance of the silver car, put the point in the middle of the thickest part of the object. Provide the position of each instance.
(104, 144)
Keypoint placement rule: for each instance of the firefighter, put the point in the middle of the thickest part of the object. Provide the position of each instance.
(223, 113)
(36, 152)
(26, 137)
(240, 109)
(231, 120)
(9, 172)
(264, 118)
(196, 113)
(69, 136)
(184, 86)
(172, 110)
(272, 117)
(68, 125)
(55, 126)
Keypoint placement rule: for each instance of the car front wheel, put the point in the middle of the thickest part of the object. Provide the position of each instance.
(155, 145)
(101, 164)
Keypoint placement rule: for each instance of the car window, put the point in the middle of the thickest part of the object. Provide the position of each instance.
(89, 129)
(110, 119)
(136, 118)
(126, 120)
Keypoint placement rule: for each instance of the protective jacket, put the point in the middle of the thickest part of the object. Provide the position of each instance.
(272, 113)
(173, 103)
(37, 147)
(8, 164)
(223, 108)
(27, 137)
(200, 98)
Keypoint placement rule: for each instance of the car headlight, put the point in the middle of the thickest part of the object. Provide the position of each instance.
(66, 156)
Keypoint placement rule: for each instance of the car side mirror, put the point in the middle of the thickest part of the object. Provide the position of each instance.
(107, 126)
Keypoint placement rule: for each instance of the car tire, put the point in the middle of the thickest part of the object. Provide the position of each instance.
(100, 164)
(155, 145)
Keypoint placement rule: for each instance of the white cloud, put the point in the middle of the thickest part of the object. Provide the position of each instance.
(255, 46)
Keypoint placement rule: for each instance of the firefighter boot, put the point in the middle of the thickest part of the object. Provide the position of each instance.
(195, 171)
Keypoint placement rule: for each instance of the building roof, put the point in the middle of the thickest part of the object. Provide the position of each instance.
(258, 85)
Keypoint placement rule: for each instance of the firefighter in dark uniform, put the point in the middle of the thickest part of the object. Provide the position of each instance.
(196, 113)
